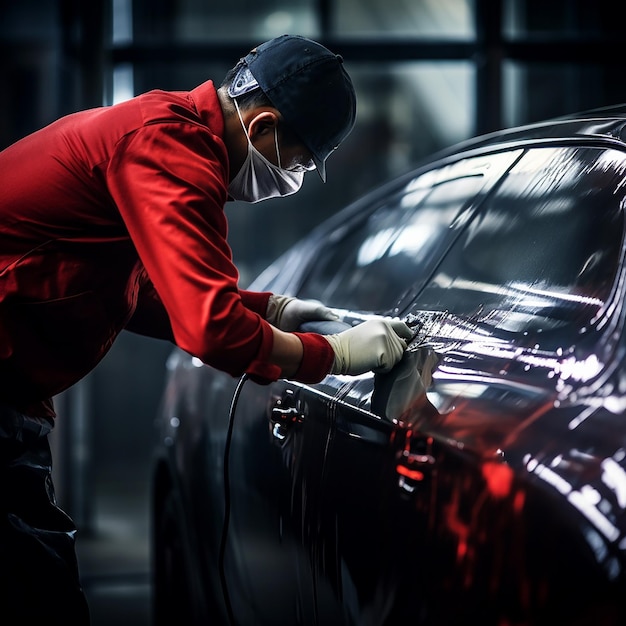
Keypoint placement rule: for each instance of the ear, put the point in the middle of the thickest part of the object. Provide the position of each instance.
(263, 124)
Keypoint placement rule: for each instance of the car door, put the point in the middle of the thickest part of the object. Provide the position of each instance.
(424, 520)
(285, 562)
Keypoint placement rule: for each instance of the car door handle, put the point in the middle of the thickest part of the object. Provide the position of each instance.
(284, 414)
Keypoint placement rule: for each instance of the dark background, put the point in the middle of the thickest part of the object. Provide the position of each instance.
(428, 73)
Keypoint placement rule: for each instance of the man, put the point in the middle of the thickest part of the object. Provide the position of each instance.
(113, 219)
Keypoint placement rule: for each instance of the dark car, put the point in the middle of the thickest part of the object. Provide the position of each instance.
(482, 480)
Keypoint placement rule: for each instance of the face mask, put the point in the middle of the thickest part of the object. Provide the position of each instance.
(259, 179)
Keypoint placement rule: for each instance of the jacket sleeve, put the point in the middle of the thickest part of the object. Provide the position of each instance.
(168, 183)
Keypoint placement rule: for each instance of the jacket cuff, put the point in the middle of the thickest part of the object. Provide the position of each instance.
(317, 358)
(255, 301)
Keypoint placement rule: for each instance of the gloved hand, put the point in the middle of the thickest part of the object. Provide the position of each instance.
(287, 313)
(376, 345)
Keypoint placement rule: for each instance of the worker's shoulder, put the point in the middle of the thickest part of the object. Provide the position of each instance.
(157, 113)
(159, 104)
(191, 107)
(153, 107)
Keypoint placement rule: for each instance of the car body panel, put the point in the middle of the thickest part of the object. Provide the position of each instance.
(484, 477)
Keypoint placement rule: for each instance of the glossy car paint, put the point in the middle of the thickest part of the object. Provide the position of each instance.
(484, 478)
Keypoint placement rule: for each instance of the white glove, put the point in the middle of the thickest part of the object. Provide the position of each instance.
(375, 345)
(287, 313)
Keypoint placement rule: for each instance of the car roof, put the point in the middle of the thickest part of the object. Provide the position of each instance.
(608, 123)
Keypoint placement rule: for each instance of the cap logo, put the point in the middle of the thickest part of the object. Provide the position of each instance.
(243, 83)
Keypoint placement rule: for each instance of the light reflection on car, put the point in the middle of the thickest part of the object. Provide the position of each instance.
(484, 478)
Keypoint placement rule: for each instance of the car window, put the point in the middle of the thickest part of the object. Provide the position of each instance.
(369, 265)
(543, 249)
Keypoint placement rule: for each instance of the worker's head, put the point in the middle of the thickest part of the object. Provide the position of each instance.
(295, 102)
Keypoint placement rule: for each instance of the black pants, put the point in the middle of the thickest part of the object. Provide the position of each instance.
(38, 566)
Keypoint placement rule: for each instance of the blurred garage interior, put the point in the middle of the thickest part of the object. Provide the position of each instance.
(428, 73)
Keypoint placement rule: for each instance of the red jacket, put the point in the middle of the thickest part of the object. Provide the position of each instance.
(113, 218)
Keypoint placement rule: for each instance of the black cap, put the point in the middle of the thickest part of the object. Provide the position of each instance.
(308, 84)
